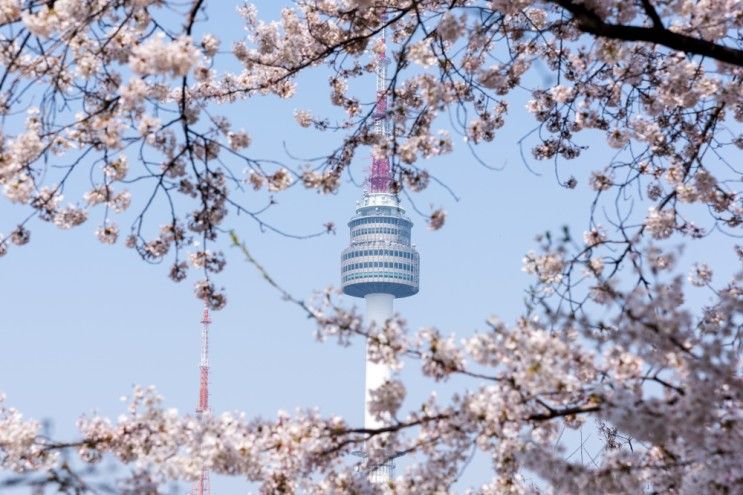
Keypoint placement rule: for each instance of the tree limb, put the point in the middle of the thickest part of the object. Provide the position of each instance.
(590, 22)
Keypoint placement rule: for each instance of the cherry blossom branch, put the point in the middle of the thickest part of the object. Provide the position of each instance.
(590, 22)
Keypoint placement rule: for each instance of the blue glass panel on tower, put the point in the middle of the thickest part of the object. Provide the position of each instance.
(380, 259)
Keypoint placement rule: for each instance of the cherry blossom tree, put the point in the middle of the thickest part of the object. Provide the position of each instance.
(119, 93)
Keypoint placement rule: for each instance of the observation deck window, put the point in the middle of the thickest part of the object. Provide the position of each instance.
(379, 264)
(380, 252)
(399, 276)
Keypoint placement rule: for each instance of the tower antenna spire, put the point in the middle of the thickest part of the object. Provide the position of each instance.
(381, 171)
(202, 486)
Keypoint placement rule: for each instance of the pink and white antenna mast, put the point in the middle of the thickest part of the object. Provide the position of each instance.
(201, 486)
(381, 172)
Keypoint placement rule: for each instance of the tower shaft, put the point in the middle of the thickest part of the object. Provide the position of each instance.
(379, 309)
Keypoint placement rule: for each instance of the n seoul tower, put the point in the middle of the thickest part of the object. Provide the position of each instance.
(380, 264)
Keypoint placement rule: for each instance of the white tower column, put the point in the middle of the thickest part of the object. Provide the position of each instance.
(379, 309)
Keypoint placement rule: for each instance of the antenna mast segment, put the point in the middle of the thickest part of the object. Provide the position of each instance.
(381, 174)
(203, 406)
(202, 486)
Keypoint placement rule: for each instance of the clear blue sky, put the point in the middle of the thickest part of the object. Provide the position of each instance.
(82, 322)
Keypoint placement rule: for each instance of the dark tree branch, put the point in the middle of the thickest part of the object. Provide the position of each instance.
(590, 22)
(192, 16)
(653, 14)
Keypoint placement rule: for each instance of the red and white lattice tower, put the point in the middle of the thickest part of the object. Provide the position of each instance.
(201, 486)
(381, 171)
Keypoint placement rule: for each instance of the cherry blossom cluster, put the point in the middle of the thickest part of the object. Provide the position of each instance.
(111, 95)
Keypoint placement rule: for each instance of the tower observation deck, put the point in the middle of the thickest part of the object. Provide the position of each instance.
(381, 258)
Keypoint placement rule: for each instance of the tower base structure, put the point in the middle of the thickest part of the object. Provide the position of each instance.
(381, 473)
